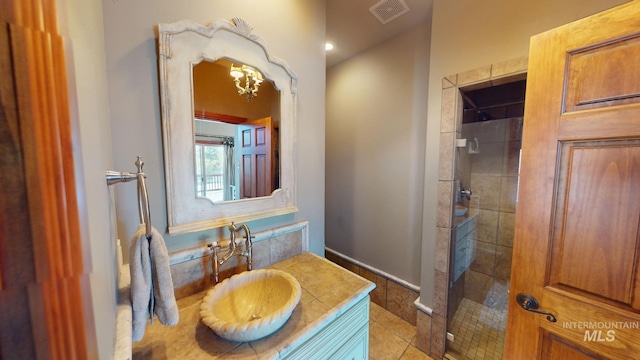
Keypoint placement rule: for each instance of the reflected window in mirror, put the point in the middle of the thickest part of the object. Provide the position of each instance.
(248, 119)
(215, 167)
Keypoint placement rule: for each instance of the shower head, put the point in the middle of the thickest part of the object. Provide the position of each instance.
(483, 116)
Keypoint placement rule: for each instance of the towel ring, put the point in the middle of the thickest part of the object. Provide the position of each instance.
(114, 177)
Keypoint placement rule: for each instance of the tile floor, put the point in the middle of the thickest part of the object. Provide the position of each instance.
(479, 331)
(391, 338)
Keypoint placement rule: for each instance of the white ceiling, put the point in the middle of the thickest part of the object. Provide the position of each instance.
(353, 28)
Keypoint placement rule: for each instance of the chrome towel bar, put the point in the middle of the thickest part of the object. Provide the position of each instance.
(114, 177)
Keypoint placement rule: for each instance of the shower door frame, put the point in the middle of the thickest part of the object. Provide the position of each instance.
(450, 130)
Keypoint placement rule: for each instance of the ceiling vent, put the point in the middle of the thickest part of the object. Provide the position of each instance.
(387, 10)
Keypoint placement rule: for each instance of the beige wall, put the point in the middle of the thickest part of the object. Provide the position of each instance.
(376, 113)
(293, 31)
(466, 35)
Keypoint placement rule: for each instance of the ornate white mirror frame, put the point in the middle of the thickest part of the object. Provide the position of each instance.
(181, 46)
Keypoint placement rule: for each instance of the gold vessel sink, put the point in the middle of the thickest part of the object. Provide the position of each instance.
(250, 305)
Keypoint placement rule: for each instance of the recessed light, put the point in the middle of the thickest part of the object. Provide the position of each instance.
(328, 46)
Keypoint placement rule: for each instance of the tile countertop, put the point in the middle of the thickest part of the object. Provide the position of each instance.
(327, 291)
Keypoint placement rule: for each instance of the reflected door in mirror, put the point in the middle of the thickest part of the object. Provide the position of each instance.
(258, 165)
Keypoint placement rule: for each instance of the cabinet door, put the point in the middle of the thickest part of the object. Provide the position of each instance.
(338, 336)
(357, 348)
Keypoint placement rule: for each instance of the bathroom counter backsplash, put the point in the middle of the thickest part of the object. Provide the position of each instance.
(191, 269)
(327, 291)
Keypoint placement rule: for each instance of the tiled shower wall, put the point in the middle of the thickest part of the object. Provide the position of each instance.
(434, 328)
(492, 176)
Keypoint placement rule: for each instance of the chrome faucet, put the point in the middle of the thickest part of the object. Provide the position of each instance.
(460, 192)
(465, 193)
(234, 248)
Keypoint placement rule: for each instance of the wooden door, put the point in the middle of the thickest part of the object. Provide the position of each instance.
(577, 242)
(256, 171)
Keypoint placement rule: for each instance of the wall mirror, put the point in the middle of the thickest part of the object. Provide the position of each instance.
(228, 119)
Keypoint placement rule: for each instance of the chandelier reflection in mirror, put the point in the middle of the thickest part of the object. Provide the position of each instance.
(253, 79)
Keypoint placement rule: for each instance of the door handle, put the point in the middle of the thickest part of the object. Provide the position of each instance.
(530, 303)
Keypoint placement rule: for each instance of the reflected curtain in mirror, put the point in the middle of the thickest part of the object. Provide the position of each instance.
(215, 167)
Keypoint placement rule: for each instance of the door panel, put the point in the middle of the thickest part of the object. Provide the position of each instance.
(599, 124)
(257, 156)
(596, 327)
(602, 75)
(577, 242)
(557, 349)
(595, 239)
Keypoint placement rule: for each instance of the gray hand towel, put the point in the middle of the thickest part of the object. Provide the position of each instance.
(149, 267)
(165, 300)
(140, 269)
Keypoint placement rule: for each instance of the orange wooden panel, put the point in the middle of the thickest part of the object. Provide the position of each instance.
(594, 327)
(49, 18)
(572, 211)
(56, 183)
(604, 123)
(66, 140)
(603, 76)
(56, 298)
(598, 221)
(35, 121)
(556, 349)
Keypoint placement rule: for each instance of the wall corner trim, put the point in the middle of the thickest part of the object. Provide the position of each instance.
(393, 278)
(423, 308)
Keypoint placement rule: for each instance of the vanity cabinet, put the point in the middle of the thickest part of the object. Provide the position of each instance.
(357, 347)
(330, 322)
(347, 337)
(464, 251)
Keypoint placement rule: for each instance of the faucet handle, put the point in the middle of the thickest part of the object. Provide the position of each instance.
(465, 193)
